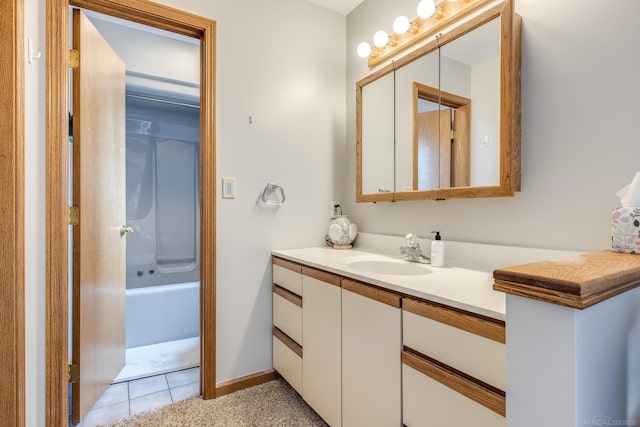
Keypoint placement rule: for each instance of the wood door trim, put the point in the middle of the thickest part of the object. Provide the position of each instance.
(482, 393)
(289, 265)
(12, 350)
(373, 292)
(322, 275)
(491, 329)
(247, 381)
(57, 86)
(288, 295)
(288, 341)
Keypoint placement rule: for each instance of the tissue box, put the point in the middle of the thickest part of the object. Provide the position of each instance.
(625, 230)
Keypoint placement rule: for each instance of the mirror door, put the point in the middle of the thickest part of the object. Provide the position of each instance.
(470, 69)
(378, 131)
(470, 75)
(425, 72)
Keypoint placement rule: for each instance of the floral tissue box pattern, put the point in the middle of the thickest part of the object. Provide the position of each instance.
(625, 230)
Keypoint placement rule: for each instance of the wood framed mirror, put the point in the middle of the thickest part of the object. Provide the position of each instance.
(469, 78)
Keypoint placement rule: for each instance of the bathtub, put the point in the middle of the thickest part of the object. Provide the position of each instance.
(164, 313)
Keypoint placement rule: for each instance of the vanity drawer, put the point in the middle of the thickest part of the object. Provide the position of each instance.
(287, 313)
(434, 396)
(463, 341)
(288, 275)
(287, 359)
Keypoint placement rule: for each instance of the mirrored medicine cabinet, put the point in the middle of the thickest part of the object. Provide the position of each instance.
(444, 120)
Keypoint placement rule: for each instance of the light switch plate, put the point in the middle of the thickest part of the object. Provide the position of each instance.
(228, 188)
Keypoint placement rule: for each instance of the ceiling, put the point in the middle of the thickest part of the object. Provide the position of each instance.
(340, 6)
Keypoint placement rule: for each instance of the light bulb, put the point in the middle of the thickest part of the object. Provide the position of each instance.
(426, 8)
(380, 38)
(364, 50)
(401, 25)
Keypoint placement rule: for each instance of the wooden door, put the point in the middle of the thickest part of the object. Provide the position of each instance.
(432, 164)
(99, 257)
(461, 147)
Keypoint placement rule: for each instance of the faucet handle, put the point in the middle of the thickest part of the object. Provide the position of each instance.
(412, 240)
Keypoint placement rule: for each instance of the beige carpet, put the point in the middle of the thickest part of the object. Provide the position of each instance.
(271, 404)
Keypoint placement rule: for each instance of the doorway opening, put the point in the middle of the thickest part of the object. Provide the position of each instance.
(163, 261)
(150, 296)
(58, 269)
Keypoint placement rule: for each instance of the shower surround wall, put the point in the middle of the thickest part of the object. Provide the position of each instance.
(162, 193)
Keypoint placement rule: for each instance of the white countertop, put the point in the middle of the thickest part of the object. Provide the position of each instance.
(463, 288)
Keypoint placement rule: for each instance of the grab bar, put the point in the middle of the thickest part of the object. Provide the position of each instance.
(270, 188)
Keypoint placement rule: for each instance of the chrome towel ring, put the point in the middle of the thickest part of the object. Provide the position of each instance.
(271, 188)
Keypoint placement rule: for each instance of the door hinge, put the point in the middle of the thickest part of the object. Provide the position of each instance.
(74, 58)
(454, 133)
(74, 215)
(74, 373)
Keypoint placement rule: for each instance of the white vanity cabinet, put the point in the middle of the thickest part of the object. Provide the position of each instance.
(453, 367)
(371, 350)
(321, 335)
(376, 357)
(287, 321)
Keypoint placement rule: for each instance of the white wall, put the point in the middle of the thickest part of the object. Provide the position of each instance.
(138, 48)
(576, 153)
(34, 195)
(282, 63)
(485, 159)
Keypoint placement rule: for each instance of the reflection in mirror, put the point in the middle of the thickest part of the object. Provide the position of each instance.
(452, 109)
(441, 139)
(425, 71)
(377, 131)
(470, 68)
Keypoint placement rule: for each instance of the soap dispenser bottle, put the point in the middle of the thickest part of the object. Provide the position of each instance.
(437, 251)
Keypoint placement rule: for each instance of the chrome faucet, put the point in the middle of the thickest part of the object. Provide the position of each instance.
(412, 251)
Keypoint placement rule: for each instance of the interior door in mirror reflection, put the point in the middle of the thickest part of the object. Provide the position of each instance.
(441, 157)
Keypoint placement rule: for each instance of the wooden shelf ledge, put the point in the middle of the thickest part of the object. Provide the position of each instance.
(579, 282)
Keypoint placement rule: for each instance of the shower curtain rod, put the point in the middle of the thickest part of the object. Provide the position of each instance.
(166, 101)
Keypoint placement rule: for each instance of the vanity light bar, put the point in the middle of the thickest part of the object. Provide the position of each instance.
(431, 19)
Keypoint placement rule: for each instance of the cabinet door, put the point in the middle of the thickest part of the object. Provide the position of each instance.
(287, 275)
(321, 324)
(468, 343)
(371, 356)
(287, 313)
(287, 359)
(427, 402)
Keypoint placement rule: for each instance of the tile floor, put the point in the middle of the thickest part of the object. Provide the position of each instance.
(159, 358)
(133, 397)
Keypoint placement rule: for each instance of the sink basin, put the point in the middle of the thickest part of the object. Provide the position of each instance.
(389, 266)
